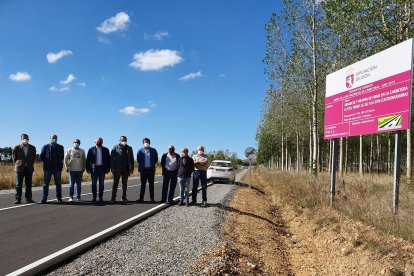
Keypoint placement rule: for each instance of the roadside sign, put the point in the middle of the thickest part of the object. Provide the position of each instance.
(372, 95)
(250, 153)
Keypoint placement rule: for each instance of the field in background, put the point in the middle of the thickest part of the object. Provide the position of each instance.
(8, 176)
(368, 198)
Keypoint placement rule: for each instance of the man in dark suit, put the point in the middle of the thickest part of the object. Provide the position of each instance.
(98, 163)
(122, 165)
(24, 156)
(52, 156)
(147, 157)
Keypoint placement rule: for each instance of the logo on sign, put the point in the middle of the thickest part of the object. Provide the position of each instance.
(390, 122)
(350, 78)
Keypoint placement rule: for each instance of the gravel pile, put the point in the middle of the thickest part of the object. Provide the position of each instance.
(169, 243)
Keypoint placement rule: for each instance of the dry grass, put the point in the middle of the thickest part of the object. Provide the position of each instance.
(368, 198)
(8, 176)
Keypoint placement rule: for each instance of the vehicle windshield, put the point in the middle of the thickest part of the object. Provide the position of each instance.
(221, 164)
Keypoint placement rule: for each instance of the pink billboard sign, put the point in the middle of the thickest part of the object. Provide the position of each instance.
(370, 96)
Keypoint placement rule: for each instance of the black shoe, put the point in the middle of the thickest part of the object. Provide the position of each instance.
(44, 201)
(152, 200)
(94, 200)
(17, 201)
(59, 201)
(112, 200)
(125, 200)
(193, 202)
(162, 201)
(101, 200)
(204, 204)
(30, 201)
(140, 200)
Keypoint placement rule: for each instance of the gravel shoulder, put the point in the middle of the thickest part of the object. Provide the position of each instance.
(168, 243)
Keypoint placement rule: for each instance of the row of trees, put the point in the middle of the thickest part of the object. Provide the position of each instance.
(306, 41)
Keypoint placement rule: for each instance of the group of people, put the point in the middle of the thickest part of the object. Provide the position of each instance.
(120, 161)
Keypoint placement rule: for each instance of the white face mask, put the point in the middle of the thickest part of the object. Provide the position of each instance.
(76, 145)
(146, 145)
(200, 152)
(25, 141)
(123, 143)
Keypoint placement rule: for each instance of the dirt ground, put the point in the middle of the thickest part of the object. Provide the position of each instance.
(263, 236)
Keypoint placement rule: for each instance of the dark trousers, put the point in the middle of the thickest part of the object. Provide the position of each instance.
(147, 174)
(27, 175)
(98, 175)
(169, 179)
(199, 176)
(124, 175)
(57, 177)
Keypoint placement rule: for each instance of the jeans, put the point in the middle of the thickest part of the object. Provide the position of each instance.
(75, 178)
(169, 179)
(147, 174)
(57, 177)
(98, 175)
(184, 187)
(124, 175)
(199, 176)
(27, 175)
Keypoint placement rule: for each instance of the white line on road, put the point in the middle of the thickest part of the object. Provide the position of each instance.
(29, 204)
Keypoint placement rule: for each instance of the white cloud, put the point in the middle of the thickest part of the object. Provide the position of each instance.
(53, 57)
(191, 76)
(157, 36)
(20, 76)
(53, 89)
(132, 110)
(152, 104)
(69, 79)
(116, 23)
(155, 60)
(83, 84)
(103, 40)
(62, 89)
(222, 76)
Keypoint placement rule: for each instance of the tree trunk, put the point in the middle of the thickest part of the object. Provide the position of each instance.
(314, 98)
(346, 155)
(361, 172)
(371, 153)
(389, 155)
(330, 156)
(283, 167)
(297, 152)
(378, 154)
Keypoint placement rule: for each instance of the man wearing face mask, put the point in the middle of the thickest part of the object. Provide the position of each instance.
(24, 156)
(147, 157)
(200, 174)
(75, 161)
(169, 165)
(98, 163)
(52, 156)
(122, 165)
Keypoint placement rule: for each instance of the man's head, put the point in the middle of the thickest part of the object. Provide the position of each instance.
(76, 143)
(200, 150)
(99, 142)
(53, 138)
(171, 149)
(24, 138)
(123, 140)
(184, 151)
(146, 142)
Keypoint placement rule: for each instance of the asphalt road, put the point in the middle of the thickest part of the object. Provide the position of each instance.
(30, 232)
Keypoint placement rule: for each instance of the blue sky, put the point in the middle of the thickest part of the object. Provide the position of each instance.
(179, 72)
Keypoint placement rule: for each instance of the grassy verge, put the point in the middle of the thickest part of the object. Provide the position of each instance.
(8, 176)
(367, 198)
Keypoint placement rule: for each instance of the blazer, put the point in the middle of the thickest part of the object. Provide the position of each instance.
(164, 160)
(46, 157)
(116, 159)
(91, 160)
(21, 161)
(141, 159)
